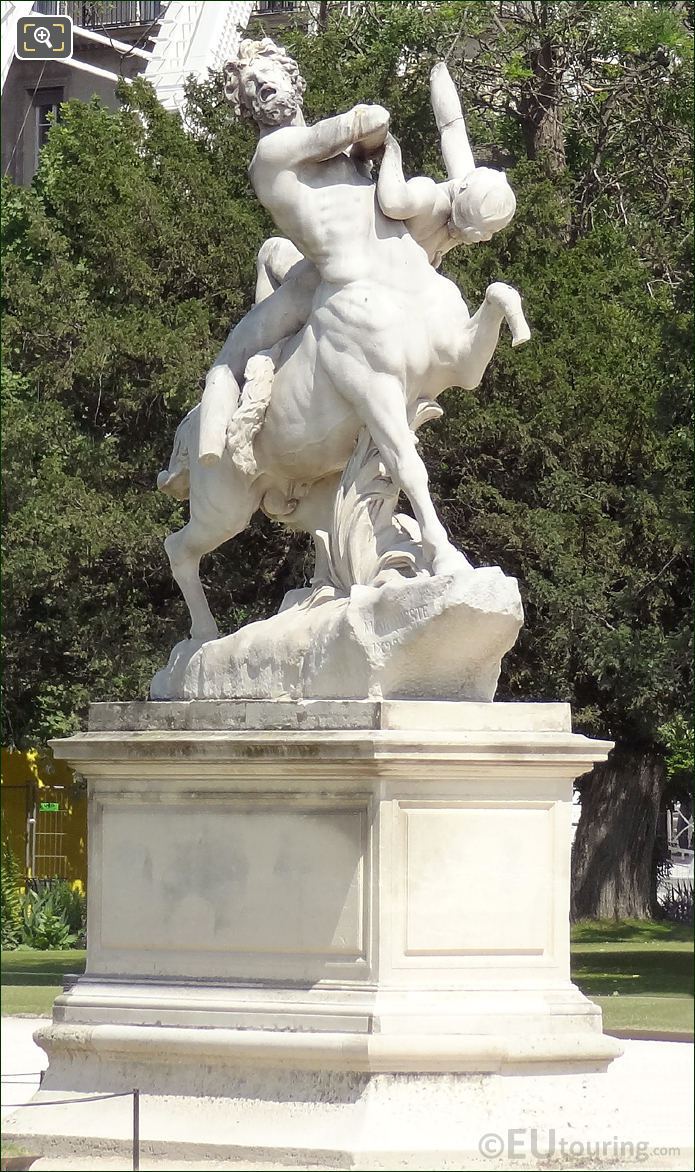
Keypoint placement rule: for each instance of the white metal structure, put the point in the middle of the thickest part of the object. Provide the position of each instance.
(11, 12)
(193, 37)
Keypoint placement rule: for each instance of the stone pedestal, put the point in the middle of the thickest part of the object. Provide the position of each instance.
(335, 931)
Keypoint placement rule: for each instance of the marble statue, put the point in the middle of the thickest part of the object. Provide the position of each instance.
(287, 932)
(310, 411)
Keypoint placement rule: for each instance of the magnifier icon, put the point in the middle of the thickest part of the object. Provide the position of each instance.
(43, 36)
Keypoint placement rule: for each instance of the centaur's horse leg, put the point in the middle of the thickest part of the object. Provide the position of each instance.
(186, 547)
(184, 550)
(481, 333)
(379, 400)
(222, 501)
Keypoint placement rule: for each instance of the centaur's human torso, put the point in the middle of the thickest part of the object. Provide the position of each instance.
(380, 308)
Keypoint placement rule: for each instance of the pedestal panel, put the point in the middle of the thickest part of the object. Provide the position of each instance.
(225, 886)
(475, 878)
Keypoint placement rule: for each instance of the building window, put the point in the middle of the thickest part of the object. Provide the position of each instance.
(47, 111)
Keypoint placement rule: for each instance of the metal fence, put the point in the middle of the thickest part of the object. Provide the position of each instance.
(97, 1098)
(48, 833)
(268, 7)
(97, 15)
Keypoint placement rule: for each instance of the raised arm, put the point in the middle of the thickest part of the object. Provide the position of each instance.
(366, 125)
(456, 149)
(401, 199)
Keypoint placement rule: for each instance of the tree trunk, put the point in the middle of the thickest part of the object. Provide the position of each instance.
(540, 110)
(613, 873)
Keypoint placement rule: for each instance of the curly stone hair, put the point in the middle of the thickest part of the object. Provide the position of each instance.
(247, 53)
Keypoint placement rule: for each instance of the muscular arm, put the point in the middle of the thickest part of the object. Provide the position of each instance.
(366, 125)
(401, 199)
(456, 149)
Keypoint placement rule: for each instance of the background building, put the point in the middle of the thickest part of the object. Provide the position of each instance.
(164, 41)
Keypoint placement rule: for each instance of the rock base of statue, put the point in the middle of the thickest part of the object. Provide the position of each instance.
(380, 625)
(436, 636)
(327, 933)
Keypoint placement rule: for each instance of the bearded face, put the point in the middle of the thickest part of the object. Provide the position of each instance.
(269, 93)
(264, 90)
(264, 83)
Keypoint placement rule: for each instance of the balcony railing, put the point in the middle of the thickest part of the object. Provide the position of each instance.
(106, 15)
(270, 7)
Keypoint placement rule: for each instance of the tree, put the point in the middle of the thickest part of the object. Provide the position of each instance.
(569, 466)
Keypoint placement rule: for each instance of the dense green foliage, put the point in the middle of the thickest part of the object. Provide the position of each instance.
(50, 916)
(569, 466)
(10, 898)
(679, 740)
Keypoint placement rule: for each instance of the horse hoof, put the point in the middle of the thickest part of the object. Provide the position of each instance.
(450, 561)
(520, 330)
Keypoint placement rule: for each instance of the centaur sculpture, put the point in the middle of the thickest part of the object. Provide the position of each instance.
(353, 328)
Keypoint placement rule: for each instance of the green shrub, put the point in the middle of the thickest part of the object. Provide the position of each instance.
(11, 902)
(71, 904)
(52, 916)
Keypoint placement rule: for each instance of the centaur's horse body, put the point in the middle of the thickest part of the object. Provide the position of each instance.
(383, 331)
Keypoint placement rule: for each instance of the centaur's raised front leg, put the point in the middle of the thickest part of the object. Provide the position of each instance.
(481, 334)
(379, 399)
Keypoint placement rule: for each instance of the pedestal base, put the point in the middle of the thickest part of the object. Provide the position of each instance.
(338, 937)
(290, 1118)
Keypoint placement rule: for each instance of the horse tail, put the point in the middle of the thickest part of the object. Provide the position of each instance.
(176, 479)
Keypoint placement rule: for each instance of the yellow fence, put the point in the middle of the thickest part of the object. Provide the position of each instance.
(44, 816)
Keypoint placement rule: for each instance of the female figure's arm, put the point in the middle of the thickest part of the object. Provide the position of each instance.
(401, 198)
(456, 149)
